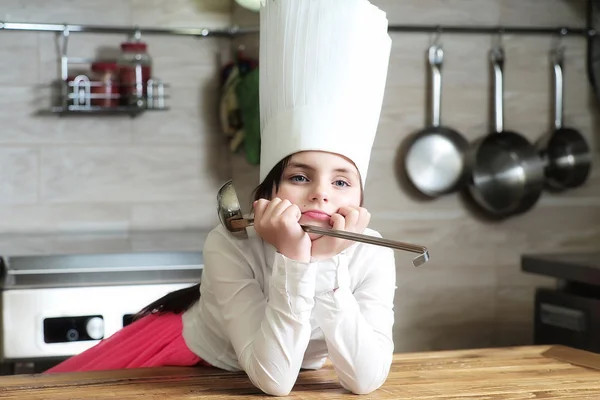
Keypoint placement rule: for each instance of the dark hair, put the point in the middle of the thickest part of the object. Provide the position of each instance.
(180, 300)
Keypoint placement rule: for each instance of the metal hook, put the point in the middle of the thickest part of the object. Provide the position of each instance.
(558, 48)
(137, 34)
(437, 37)
(62, 45)
(497, 41)
(65, 40)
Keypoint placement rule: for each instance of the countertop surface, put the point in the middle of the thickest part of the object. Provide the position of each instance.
(531, 372)
(577, 267)
(101, 242)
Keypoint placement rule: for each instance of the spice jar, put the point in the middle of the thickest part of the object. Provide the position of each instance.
(135, 66)
(105, 89)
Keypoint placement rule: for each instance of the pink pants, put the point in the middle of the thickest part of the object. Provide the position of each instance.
(152, 341)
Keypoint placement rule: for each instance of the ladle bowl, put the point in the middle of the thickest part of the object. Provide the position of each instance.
(231, 217)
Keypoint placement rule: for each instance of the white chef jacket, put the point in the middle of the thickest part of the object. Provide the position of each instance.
(270, 316)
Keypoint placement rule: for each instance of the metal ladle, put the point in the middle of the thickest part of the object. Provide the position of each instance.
(230, 215)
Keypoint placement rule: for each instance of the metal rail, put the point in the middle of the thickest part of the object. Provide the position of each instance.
(235, 30)
(201, 32)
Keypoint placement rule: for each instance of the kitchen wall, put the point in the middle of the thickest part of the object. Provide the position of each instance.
(162, 169)
(472, 292)
(68, 174)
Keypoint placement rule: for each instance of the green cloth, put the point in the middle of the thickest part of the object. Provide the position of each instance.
(247, 97)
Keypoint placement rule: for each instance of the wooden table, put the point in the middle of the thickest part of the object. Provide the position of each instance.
(533, 372)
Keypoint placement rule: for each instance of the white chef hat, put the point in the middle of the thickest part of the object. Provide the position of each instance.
(323, 69)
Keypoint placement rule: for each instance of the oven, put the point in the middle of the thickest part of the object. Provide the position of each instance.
(58, 305)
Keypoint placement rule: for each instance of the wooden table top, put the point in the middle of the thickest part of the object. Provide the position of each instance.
(532, 372)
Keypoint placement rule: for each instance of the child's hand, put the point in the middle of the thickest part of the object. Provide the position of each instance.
(350, 219)
(276, 221)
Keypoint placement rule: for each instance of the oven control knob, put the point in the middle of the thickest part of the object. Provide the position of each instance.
(95, 328)
(72, 335)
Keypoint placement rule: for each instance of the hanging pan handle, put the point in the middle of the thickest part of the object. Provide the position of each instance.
(497, 58)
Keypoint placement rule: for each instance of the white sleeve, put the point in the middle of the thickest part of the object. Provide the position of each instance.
(358, 326)
(270, 336)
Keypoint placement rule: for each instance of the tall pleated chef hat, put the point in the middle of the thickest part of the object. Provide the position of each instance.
(323, 69)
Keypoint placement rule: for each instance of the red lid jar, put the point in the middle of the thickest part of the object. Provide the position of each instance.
(135, 69)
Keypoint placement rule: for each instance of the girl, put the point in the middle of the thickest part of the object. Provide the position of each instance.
(282, 299)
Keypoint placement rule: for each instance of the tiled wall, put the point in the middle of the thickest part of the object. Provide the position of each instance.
(162, 170)
(472, 292)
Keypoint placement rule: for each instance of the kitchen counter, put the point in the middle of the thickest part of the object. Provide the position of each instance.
(101, 242)
(548, 372)
(573, 267)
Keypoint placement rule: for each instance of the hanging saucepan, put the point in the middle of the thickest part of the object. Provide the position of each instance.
(507, 175)
(434, 159)
(565, 151)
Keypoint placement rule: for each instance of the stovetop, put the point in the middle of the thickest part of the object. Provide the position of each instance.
(19, 244)
(92, 259)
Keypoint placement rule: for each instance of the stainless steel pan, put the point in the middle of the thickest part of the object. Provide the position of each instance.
(507, 175)
(564, 150)
(434, 158)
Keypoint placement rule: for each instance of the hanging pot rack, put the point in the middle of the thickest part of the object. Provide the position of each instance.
(236, 31)
(68, 94)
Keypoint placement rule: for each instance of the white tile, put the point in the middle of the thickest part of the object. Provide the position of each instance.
(20, 106)
(64, 218)
(18, 58)
(512, 334)
(464, 336)
(158, 240)
(18, 175)
(468, 12)
(192, 118)
(440, 308)
(182, 13)
(198, 214)
(543, 12)
(96, 12)
(82, 242)
(185, 61)
(244, 17)
(515, 305)
(127, 174)
(408, 59)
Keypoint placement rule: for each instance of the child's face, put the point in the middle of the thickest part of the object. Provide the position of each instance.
(320, 183)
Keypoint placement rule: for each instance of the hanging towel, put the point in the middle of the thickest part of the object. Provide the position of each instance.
(247, 98)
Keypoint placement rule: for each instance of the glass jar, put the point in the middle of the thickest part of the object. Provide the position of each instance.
(105, 87)
(135, 69)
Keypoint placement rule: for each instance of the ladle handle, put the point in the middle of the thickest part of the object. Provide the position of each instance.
(418, 261)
